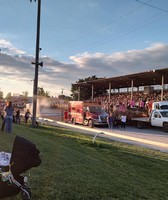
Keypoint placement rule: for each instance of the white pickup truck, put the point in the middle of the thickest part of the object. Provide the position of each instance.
(158, 117)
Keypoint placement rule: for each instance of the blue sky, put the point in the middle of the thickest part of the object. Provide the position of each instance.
(80, 38)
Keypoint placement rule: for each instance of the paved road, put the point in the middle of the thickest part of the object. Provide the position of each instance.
(153, 138)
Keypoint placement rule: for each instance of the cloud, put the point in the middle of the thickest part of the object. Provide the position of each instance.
(55, 75)
(8, 48)
(122, 63)
(92, 3)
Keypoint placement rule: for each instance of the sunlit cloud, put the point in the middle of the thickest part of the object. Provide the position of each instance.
(55, 74)
(7, 48)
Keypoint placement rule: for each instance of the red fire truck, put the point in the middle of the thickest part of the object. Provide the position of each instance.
(88, 114)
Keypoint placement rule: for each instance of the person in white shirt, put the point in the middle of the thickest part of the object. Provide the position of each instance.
(123, 120)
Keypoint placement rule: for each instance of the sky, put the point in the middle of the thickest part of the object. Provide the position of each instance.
(80, 39)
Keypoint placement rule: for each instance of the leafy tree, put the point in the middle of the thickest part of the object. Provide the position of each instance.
(1, 94)
(25, 93)
(47, 93)
(41, 92)
(67, 98)
(8, 96)
(86, 90)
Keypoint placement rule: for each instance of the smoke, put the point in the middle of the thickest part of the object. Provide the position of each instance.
(42, 102)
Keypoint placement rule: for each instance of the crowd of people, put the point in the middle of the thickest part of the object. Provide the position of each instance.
(122, 101)
(116, 120)
(118, 103)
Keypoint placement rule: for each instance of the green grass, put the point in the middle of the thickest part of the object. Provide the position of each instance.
(73, 168)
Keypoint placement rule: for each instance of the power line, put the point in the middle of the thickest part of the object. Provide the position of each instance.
(129, 30)
(147, 4)
(85, 35)
(120, 33)
(123, 33)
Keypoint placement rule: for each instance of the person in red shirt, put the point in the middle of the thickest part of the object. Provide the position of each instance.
(65, 116)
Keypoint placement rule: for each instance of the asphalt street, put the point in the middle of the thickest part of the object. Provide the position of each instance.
(153, 138)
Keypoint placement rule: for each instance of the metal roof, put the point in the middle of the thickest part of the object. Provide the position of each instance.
(152, 77)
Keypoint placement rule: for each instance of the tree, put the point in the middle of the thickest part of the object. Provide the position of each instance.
(66, 98)
(25, 93)
(1, 94)
(8, 96)
(47, 93)
(86, 91)
(41, 92)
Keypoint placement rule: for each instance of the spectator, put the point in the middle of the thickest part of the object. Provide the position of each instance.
(123, 120)
(2, 115)
(17, 117)
(27, 116)
(65, 116)
(110, 121)
(9, 109)
(3, 120)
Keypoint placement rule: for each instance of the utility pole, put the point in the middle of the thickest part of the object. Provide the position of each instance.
(62, 92)
(36, 63)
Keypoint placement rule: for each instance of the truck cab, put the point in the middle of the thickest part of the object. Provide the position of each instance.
(89, 114)
(160, 105)
(94, 115)
(159, 118)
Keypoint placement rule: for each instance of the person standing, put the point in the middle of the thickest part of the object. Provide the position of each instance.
(123, 120)
(110, 121)
(9, 110)
(27, 116)
(65, 116)
(18, 116)
(2, 115)
(3, 121)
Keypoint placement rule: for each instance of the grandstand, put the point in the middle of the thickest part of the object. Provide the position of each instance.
(149, 81)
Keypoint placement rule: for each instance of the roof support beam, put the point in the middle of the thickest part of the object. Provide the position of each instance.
(109, 92)
(78, 93)
(132, 86)
(162, 87)
(92, 92)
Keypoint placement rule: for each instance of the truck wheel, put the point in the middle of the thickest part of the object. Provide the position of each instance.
(165, 128)
(140, 125)
(91, 124)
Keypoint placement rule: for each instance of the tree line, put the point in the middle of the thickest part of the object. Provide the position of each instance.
(85, 92)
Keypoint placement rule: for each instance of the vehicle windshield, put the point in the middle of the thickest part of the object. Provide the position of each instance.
(96, 109)
(164, 107)
(164, 113)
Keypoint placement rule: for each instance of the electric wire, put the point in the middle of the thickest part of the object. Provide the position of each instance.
(108, 24)
(122, 33)
(152, 6)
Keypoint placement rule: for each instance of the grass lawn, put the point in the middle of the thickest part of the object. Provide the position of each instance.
(75, 169)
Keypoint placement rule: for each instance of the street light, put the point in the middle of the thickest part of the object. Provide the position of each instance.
(36, 63)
